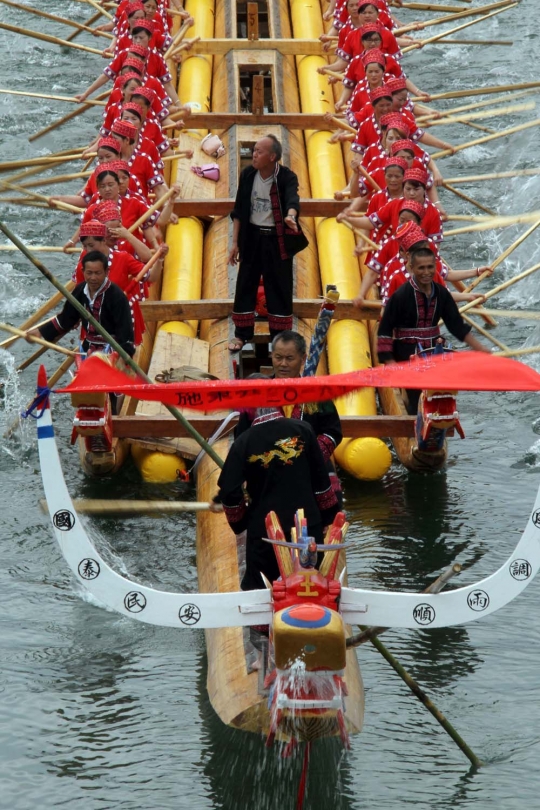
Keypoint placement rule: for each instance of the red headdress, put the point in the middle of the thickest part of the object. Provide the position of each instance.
(380, 92)
(409, 234)
(140, 50)
(92, 228)
(107, 211)
(417, 176)
(396, 161)
(132, 106)
(414, 206)
(394, 85)
(374, 55)
(126, 77)
(395, 121)
(370, 28)
(145, 92)
(397, 146)
(120, 166)
(148, 25)
(134, 6)
(133, 62)
(110, 143)
(125, 129)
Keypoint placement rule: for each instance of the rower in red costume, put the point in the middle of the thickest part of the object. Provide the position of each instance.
(356, 42)
(145, 142)
(129, 209)
(369, 132)
(143, 169)
(385, 220)
(364, 74)
(159, 39)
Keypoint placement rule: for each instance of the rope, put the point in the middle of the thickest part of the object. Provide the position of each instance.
(303, 778)
(41, 400)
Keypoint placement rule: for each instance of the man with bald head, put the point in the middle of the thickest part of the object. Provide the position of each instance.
(265, 217)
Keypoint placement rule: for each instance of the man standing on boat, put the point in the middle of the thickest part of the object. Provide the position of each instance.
(266, 236)
(410, 320)
(288, 358)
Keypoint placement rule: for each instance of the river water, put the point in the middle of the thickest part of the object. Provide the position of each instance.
(105, 712)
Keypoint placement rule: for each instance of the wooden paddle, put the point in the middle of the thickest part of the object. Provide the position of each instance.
(449, 18)
(464, 119)
(480, 178)
(179, 36)
(437, 37)
(68, 117)
(5, 327)
(504, 255)
(48, 38)
(500, 288)
(490, 223)
(87, 23)
(109, 507)
(485, 333)
(62, 206)
(516, 314)
(44, 309)
(155, 207)
(468, 199)
(475, 105)
(71, 99)
(55, 18)
(485, 139)
(480, 91)
(518, 352)
(97, 7)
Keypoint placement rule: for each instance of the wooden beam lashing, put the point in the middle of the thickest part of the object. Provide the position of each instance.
(252, 21)
(212, 310)
(164, 426)
(224, 120)
(257, 94)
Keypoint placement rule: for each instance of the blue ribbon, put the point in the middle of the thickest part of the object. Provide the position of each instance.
(41, 401)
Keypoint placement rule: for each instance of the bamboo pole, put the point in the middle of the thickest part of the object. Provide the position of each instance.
(68, 117)
(109, 338)
(487, 335)
(55, 18)
(518, 314)
(97, 7)
(505, 254)
(478, 11)
(46, 160)
(436, 37)
(362, 234)
(32, 359)
(62, 206)
(423, 698)
(47, 96)
(38, 314)
(5, 327)
(504, 286)
(56, 180)
(480, 91)
(90, 21)
(42, 249)
(485, 139)
(464, 119)
(468, 199)
(108, 507)
(481, 178)
(179, 36)
(503, 42)
(432, 6)
(518, 352)
(155, 207)
(491, 223)
(53, 379)
(475, 105)
(15, 29)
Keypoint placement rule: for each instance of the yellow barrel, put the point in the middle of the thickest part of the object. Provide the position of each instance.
(348, 341)
(182, 272)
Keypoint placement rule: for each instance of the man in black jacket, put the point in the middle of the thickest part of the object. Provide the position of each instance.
(104, 300)
(265, 213)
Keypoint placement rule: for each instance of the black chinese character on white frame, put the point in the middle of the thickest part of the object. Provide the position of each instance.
(189, 614)
(89, 568)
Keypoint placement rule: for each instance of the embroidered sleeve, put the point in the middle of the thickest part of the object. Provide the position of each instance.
(327, 445)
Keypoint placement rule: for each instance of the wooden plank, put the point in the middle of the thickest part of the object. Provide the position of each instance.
(215, 309)
(298, 47)
(171, 351)
(155, 427)
(252, 21)
(257, 94)
(219, 120)
(222, 207)
(192, 184)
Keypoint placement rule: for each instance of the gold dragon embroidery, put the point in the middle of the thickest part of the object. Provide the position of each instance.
(285, 451)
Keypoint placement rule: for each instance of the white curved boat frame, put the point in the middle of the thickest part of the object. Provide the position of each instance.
(358, 606)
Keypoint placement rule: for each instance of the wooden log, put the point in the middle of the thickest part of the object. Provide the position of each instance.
(222, 207)
(252, 21)
(257, 94)
(164, 426)
(216, 309)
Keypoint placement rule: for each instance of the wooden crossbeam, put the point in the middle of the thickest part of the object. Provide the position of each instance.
(222, 207)
(298, 47)
(215, 309)
(163, 427)
(224, 120)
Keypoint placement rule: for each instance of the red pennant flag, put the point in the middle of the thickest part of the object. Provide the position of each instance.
(462, 371)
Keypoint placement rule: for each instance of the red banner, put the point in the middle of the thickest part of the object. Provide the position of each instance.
(463, 371)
